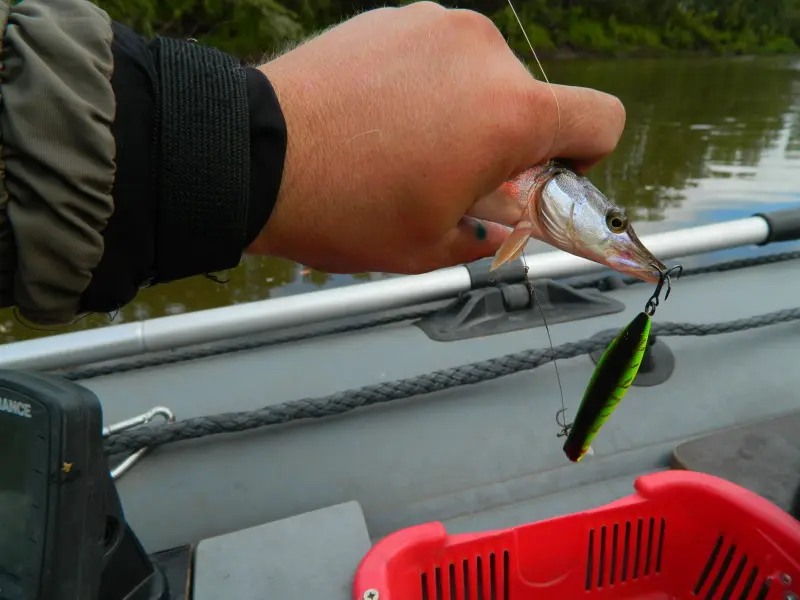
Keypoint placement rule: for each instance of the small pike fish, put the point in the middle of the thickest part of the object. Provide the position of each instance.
(566, 210)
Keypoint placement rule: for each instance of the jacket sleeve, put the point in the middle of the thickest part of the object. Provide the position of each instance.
(124, 162)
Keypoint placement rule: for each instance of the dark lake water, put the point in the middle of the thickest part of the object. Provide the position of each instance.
(707, 140)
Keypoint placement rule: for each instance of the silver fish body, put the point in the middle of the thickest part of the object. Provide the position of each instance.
(567, 211)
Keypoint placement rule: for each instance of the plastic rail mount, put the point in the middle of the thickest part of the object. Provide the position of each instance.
(506, 307)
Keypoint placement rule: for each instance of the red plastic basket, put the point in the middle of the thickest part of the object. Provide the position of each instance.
(681, 535)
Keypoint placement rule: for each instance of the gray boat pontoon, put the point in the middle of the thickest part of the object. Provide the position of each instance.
(309, 427)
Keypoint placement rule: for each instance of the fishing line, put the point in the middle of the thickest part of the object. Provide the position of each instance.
(561, 414)
(541, 68)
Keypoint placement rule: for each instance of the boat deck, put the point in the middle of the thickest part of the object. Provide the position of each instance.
(475, 457)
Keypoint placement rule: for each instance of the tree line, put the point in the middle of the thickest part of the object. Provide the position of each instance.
(252, 28)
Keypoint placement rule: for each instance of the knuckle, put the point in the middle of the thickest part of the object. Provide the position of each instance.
(475, 22)
(426, 7)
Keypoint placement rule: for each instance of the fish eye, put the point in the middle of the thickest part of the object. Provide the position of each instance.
(616, 222)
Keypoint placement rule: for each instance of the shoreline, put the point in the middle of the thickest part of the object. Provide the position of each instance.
(567, 54)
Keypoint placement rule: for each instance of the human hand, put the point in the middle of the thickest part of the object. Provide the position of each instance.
(399, 121)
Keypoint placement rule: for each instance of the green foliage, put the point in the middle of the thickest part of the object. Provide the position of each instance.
(251, 28)
(246, 28)
(619, 27)
(637, 38)
(585, 34)
(781, 44)
(538, 34)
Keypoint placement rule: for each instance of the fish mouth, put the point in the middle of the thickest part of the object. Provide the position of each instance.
(648, 273)
(628, 255)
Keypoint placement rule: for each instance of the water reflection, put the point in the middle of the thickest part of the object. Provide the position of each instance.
(707, 139)
(256, 278)
(688, 121)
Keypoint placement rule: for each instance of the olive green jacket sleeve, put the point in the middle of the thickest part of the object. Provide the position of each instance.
(56, 153)
(124, 162)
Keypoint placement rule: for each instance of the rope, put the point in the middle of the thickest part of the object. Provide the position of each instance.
(343, 402)
(221, 349)
(603, 283)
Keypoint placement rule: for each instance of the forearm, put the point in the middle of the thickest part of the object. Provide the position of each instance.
(127, 162)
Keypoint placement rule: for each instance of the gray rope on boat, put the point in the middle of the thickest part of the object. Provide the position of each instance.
(343, 402)
(603, 283)
(240, 346)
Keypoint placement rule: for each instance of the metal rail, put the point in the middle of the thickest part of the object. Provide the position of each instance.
(171, 332)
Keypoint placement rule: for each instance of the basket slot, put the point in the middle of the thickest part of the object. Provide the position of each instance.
(722, 563)
(764, 591)
(737, 575)
(751, 579)
(485, 578)
(618, 554)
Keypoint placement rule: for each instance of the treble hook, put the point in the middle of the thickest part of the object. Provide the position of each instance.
(561, 419)
(663, 279)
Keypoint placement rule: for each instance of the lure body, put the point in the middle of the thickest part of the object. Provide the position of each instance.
(612, 377)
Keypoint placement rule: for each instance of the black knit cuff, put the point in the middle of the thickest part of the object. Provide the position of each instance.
(268, 139)
(200, 146)
(129, 238)
(204, 159)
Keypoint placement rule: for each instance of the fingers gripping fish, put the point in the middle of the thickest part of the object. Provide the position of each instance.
(565, 210)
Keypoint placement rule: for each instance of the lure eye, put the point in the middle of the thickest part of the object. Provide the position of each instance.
(617, 222)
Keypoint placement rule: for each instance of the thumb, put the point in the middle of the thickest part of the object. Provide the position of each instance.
(584, 124)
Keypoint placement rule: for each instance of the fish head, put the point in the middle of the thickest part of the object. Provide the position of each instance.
(576, 217)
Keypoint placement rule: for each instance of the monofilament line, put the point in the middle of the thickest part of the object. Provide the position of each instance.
(538, 62)
(535, 299)
(527, 281)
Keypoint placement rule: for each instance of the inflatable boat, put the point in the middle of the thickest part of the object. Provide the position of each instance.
(267, 450)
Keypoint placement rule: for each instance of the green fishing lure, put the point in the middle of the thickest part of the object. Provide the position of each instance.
(612, 377)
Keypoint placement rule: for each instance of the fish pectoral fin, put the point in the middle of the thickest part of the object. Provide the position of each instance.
(513, 246)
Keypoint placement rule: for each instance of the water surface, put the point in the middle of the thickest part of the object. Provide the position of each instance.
(706, 140)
